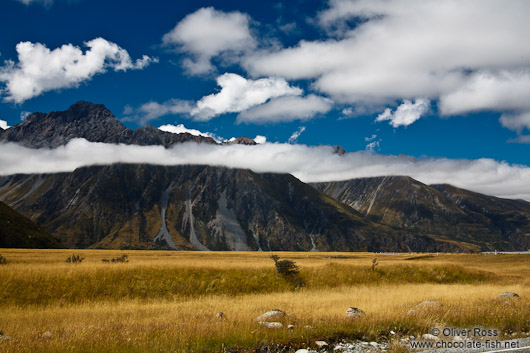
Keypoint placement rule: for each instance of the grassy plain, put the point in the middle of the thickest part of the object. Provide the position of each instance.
(163, 301)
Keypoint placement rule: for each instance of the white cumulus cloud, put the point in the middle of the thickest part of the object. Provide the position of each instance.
(259, 139)
(505, 91)
(486, 90)
(40, 69)
(285, 109)
(238, 94)
(520, 139)
(471, 55)
(308, 163)
(153, 110)
(180, 128)
(208, 33)
(3, 124)
(517, 121)
(373, 144)
(294, 137)
(24, 115)
(406, 113)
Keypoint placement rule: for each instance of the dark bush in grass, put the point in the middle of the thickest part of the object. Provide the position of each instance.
(123, 258)
(75, 259)
(285, 267)
(289, 271)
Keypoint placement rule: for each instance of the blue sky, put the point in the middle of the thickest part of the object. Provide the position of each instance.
(427, 79)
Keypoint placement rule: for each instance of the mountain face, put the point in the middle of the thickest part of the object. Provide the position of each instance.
(441, 211)
(212, 208)
(92, 122)
(198, 207)
(17, 231)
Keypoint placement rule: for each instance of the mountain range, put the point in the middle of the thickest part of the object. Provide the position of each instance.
(141, 206)
(93, 122)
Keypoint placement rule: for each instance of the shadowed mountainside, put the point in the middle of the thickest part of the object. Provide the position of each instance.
(440, 210)
(17, 231)
(199, 207)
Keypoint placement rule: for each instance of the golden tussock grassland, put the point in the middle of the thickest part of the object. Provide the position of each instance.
(163, 301)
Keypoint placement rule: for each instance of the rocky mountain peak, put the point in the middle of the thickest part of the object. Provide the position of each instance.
(339, 150)
(93, 122)
(243, 140)
(76, 112)
(83, 110)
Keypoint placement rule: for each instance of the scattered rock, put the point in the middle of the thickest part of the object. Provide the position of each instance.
(321, 344)
(271, 315)
(508, 295)
(353, 312)
(47, 335)
(302, 351)
(412, 312)
(392, 332)
(271, 324)
(374, 344)
(220, 315)
(290, 327)
(309, 327)
(429, 337)
(428, 304)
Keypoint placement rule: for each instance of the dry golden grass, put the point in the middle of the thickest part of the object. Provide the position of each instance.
(167, 301)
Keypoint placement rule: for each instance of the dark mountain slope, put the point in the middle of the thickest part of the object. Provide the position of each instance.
(17, 231)
(508, 218)
(439, 211)
(186, 207)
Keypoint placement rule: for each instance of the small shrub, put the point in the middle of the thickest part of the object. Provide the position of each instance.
(75, 259)
(285, 267)
(3, 260)
(123, 258)
(374, 264)
(289, 271)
